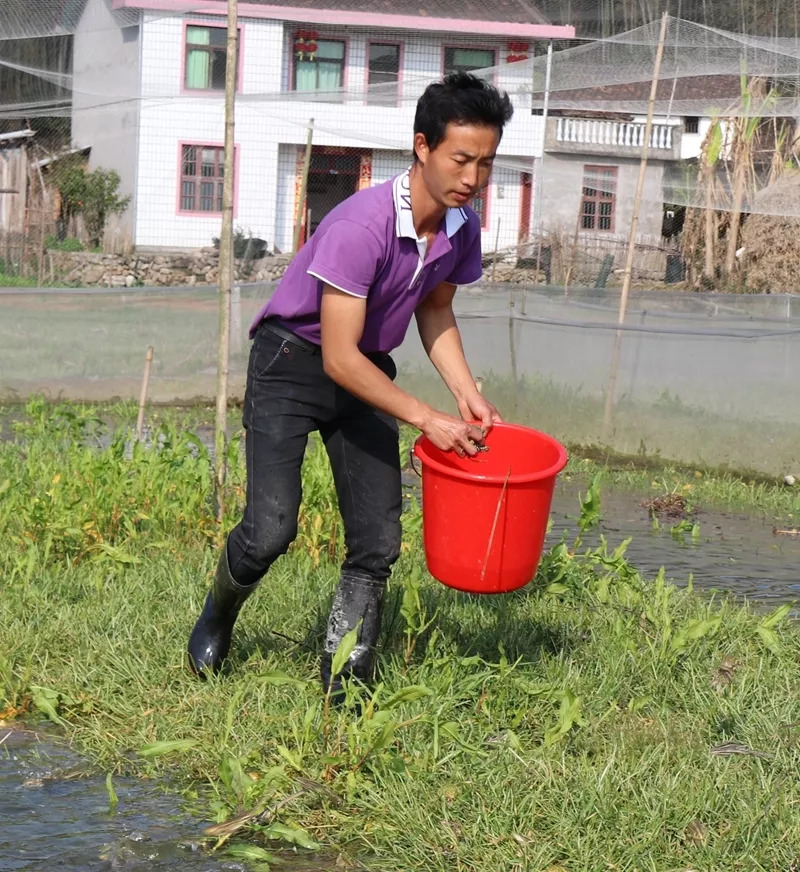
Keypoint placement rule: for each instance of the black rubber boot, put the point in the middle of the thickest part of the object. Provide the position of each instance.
(210, 640)
(357, 599)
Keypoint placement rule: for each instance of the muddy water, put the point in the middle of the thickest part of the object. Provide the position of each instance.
(736, 552)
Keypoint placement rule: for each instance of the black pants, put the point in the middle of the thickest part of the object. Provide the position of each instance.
(288, 396)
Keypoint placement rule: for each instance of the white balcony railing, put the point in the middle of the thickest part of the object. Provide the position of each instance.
(629, 134)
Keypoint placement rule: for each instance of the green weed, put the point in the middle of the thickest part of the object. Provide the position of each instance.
(594, 719)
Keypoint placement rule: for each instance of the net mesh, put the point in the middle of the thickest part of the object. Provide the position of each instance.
(130, 99)
(706, 380)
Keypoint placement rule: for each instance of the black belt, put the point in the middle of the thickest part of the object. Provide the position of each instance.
(275, 327)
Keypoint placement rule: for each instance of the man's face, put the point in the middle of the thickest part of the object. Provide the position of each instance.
(460, 165)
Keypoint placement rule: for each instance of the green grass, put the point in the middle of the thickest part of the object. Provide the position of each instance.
(14, 281)
(569, 725)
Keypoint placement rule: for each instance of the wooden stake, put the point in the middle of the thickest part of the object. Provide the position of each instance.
(226, 262)
(301, 206)
(626, 280)
(148, 360)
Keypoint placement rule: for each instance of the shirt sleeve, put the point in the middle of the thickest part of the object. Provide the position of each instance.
(469, 266)
(348, 257)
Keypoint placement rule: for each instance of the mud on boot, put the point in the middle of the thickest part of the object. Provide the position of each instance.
(210, 639)
(358, 603)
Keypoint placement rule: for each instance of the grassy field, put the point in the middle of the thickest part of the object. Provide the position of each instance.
(594, 720)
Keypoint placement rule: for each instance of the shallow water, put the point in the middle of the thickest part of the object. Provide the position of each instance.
(52, 816)
(55, 815)
(736, 551)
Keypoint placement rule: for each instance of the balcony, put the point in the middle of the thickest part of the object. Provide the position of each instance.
(598, 136)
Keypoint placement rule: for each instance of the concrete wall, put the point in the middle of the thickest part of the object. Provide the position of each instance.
(105, 106)
(561, 192)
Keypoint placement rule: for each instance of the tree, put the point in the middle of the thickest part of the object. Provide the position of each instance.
(94, 195)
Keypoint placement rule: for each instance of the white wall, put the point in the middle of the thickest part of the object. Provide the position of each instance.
(105, 108)
(269, 120)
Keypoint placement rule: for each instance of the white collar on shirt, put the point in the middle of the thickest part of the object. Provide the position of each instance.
(454, 219)
(404, 220)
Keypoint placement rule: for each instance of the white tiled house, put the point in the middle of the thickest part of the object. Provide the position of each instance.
(148, 100)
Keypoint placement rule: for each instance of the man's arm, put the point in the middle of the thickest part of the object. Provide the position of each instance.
(441, 339)
(342, 321)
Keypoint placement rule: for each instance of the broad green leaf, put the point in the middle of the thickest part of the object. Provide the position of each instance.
(769, 638)
(569, 715)
(406, 694)
(345, 649)
(117, 554)
(590, 506)
(113, 799)
(157, 749)
(46, 701)
(776, 617)
(451, 730)
(291, 757)
(293, 835)
(253, 854)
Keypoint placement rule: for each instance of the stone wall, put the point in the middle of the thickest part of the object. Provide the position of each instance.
(83, 269)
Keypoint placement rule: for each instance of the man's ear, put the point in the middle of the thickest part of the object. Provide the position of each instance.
(421, 147)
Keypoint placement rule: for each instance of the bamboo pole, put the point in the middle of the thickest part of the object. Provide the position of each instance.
(42, 213)
(496, 246)
(226, 262)
(148, 360)
(301, 205)
(626, 279)
(540, 174)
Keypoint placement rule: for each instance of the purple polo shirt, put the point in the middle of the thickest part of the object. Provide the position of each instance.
(367, 246)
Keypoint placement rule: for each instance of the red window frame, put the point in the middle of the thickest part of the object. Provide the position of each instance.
(193, 202)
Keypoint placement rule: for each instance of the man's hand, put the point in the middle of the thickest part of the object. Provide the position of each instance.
(442, 341)
(476, 407)
(447, 433)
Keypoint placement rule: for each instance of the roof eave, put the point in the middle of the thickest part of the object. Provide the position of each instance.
(345, 17)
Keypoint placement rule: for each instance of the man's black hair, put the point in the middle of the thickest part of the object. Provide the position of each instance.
(460, 98)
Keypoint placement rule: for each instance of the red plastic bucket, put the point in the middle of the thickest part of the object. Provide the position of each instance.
(484, 518)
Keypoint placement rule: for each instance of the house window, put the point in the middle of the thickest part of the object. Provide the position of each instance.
(384, 71)
(599, 198)
(691, 124)
(322, 69)
(468, 59)
(205, 58)
(202, 172)
(479, 203)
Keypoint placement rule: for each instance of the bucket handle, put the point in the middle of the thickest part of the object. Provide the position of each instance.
(411, 458)
(494, 525)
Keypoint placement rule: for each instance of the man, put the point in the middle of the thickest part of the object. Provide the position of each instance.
(320, 361)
